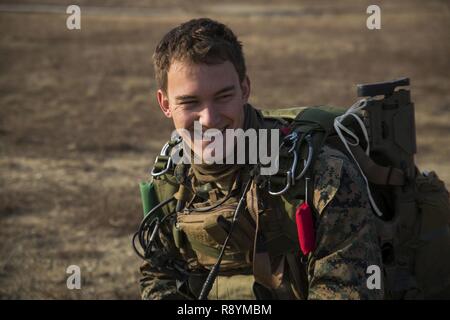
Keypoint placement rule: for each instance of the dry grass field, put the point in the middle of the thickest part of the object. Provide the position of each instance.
(79, 124)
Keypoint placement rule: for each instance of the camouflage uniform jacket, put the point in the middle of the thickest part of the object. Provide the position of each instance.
(346, 238)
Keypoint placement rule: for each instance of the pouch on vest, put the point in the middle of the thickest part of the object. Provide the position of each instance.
(237, 287)
(205, 232)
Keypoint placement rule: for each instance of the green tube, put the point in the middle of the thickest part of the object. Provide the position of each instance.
(149, 199)
(144, 187)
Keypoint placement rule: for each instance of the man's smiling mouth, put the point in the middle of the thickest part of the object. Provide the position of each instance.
(206, 134)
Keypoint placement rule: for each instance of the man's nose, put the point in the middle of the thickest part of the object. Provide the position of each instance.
(209, 117)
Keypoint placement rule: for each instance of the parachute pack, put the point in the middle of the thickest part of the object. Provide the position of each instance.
(378, 134)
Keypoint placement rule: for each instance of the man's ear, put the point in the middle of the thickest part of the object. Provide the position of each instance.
(245, 87)
(163, 101)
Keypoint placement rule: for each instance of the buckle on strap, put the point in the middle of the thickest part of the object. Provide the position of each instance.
(164, 161)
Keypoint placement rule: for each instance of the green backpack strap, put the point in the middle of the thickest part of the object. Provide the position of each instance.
(284, 114)
(319, 118)
(322, 116)
(318, 123)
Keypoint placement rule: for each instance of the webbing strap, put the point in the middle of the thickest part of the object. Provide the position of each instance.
(375, 173)
(262, 264)
(320, 116)
(298, 276)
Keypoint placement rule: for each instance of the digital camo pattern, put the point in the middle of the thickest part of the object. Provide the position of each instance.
(156, 288)
(346, 238)
(154, 283)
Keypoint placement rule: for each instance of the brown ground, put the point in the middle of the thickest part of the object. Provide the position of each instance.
(79, 125)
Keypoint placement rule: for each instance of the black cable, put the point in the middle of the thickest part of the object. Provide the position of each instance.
(147, 235)
(144, 235)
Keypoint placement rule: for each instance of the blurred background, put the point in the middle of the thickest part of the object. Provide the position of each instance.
(80, 126)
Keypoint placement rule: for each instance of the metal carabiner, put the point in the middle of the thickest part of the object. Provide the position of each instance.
(293, 138)
(308, 139)
(157, 174)
(290, 181)
(165, 152)
(286, 188)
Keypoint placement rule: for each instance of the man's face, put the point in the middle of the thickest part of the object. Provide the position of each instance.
(209, 94)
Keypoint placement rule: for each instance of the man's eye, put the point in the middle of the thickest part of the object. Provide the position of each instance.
(188, 103)
(224, 97)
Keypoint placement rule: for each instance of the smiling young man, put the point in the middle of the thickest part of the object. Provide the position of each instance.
(213, 95)
(201, 75)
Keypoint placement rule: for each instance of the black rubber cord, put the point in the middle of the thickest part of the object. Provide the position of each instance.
(146, 234)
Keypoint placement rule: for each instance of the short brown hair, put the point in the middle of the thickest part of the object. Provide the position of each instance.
(199, 41)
